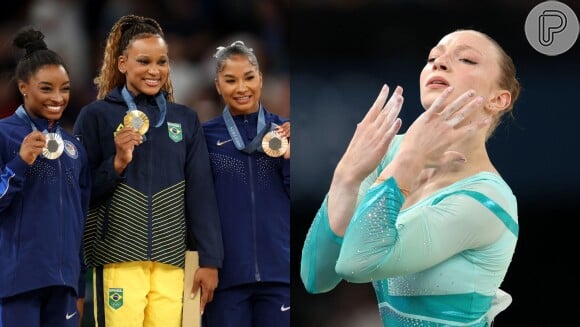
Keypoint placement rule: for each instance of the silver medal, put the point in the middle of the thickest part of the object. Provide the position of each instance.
(54, 146)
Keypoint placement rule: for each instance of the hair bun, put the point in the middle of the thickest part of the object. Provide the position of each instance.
(30, 40)
(34, 46)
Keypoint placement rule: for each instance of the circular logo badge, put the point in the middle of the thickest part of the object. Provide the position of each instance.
(70, 149)
(552, 28)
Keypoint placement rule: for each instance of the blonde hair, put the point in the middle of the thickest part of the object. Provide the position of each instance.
(507, 78)
(126, 30)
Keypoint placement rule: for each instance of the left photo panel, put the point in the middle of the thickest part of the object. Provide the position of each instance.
(145, 164)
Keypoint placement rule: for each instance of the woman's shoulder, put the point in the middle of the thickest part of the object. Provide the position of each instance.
(487, 186)
(487, 180)
(275, 118)
(96, 108)
(214, 122)
(11, 124)
(181, 109)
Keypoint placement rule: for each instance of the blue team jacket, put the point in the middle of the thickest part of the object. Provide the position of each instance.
(165, 194)
(42, 212)
(253, 194)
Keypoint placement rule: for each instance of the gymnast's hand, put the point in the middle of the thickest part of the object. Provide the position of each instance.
(441, 126)
(205, 278)
(284, 131)
(32, 146)
(125, 142)
(372, 137)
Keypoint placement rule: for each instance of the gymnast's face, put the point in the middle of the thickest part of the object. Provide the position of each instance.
(47, 92)
(465, 60)
(240, 85)
(145, 64)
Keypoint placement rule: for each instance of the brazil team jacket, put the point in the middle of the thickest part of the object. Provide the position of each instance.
(42, 212)
(163, 197)
(253, 193)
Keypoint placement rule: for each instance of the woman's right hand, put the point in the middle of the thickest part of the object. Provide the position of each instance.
(32, 146)
(125, 142)
(372, 137)
(367, 147)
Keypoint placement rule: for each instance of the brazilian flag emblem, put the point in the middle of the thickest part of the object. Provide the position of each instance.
(174, 130)
(115, 298)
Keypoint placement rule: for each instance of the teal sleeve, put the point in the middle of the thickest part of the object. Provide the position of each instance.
(371, 233)
(321, 247)
(319, 254)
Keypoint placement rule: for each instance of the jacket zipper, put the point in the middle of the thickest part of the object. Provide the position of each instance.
(253, 202)
(61, 238)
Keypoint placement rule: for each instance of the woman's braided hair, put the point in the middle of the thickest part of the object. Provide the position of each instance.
(126, 30)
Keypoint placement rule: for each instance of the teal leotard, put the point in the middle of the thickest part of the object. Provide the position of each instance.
(439, 262)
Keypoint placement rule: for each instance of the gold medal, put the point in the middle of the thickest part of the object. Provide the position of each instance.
(138, 120)
(54, 146)
(274, 145)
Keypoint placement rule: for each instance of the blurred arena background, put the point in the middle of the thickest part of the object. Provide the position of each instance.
(343, 51)
(77, 30)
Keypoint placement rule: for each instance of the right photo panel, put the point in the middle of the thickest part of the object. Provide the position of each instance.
(434, 174)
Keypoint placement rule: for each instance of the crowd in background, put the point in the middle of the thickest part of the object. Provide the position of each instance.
(193, 28)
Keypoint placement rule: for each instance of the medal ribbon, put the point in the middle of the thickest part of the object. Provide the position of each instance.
(256, 143)
(159, 99)
(22, 114)
(55, 136)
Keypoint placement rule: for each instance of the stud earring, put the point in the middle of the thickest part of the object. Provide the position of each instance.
(25, 95)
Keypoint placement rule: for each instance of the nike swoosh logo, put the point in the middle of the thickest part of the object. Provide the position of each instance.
(70, 316)
(283, 308)
(220, 143)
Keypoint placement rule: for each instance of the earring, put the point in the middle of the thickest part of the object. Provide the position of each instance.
(25, 95)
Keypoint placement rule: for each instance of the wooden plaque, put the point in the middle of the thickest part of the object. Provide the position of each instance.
(191, 311)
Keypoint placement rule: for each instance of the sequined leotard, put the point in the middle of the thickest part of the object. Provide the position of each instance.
(439, 262)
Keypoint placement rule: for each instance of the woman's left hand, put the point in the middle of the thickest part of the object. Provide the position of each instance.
(432, 134)
(284, 131)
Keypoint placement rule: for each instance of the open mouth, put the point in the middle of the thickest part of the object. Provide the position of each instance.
(437, 81)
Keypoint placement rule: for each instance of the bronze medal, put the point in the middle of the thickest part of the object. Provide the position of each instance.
(54, 146)
(138, 120)
(274, 145)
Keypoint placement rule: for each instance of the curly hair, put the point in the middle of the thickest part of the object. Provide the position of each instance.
(126, 30)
